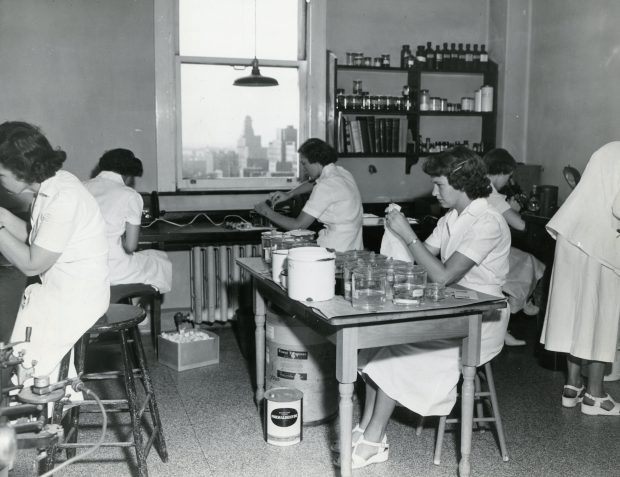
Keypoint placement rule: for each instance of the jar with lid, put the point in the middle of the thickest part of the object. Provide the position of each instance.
(377, 63)
(409, 285)
(266, 246)
(358, 59)
(385, 61)
(276, 240)
(357, 86)
(368, 290)
(340, 101)
(350, 57)
(425, 100)
(367, 61)
(435, 104)
(405, 54)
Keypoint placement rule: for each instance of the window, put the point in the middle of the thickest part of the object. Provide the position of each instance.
(240, 138)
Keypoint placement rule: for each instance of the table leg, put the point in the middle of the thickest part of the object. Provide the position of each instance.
(346, 373)
(259, 336)
(467, 419)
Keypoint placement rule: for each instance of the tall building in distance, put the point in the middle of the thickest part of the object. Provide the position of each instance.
(248, 159)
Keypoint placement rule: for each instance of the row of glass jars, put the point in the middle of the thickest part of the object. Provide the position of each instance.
(274, 240)
(373, 103)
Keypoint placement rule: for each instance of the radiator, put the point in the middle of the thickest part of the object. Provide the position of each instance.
(218, 284)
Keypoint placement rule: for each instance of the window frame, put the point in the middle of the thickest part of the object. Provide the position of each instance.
(312, 86)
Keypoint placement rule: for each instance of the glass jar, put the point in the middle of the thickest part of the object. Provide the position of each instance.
(367, 61)
(357, 86)
(276, 240)
(385, 61)
(350, 57)
(425, 100)
(435, 292)
(358, 59)
(377, 63)
(409, 286)
(435, 104)
(340, 98)
(368, 290)
(266, 246)
(347, 272)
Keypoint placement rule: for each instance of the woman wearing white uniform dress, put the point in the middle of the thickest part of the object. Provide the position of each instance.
(65, 245)
(473, 242)
(121, 207)
(334, 201)
(583, 308)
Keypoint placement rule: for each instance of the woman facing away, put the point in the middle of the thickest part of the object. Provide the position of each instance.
(334, 201)
(469, 247)
(65, 246)
(121, 207)
(525, 270)
(583, 308)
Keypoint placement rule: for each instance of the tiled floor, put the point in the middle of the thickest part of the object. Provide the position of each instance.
(212, 427)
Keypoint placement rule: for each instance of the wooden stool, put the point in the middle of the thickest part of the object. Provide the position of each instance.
(122, 319)
(126, 292)
(479, 396)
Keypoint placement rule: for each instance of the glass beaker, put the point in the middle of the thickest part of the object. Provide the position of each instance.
(409, 285)
(435, 291)
(266, 246)
(368, 291)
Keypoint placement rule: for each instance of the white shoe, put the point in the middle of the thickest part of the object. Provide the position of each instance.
(510, 340)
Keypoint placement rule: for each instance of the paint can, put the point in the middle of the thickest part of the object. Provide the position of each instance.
(283, 416)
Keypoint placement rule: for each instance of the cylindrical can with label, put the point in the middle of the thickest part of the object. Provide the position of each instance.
(487, 99)
(435, 104)
(283, 416)
(467, 104)
(478, 100)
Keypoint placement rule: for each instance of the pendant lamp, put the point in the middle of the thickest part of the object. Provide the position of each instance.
(255, 78)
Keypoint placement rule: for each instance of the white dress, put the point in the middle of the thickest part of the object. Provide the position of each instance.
(423, 376)
(119, 205)
(525, 269)
(583, 308)
(335, 201)
(75, 292)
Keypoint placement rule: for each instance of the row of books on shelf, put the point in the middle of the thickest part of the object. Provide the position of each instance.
(372, 135)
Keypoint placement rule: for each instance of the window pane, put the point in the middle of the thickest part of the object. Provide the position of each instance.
(232, 131)
(225, 28)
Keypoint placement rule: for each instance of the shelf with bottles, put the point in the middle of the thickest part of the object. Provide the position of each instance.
(426, 148)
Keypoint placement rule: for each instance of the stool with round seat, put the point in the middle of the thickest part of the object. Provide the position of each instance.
(126, 292)
(124, 320)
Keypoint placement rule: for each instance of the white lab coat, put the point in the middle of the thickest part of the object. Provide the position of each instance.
(74, 292)
(119, 205)
(423, 376)
(336, 202)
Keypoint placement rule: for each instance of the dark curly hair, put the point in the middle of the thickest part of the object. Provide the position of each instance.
(499, 161)
(121, 161)
(464, 170)
(27, 153)
(317, 150)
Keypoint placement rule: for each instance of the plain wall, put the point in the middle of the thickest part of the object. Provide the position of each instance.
(574, 101)
(83, 71)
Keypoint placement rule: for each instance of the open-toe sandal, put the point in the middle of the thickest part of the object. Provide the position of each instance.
(357, 462)
(357, 434)
(574, 400)
(596, 408)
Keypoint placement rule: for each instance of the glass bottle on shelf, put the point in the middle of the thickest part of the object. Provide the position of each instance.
(476, 56)
(405, 53)
(357, 86)
(461, 63)
(438, 58)
(385, 61)
(340, 98)
(484, 57)
(420, 56)
(469, 57)
(430, 56)
(454, 57)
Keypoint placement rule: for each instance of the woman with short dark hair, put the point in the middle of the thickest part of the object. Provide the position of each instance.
(65, 246)
(472, 241)
(121, 207)
(334, 200)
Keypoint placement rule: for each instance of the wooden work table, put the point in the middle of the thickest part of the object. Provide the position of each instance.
(351, 330)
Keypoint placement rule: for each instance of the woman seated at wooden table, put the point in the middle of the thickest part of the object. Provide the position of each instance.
(335, 200)
(473, 243)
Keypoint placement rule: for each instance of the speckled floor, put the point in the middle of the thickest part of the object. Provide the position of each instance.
(212, 427)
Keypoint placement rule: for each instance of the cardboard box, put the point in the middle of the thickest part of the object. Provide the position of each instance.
(193, 354)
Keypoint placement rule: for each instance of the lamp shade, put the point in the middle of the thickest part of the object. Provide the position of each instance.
(255, 78)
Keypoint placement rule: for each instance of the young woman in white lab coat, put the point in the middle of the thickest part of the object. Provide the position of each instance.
(65, 246)
(121, 207)
(473, 242)
(334, 201)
